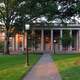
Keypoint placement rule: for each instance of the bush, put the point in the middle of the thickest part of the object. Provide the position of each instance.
(1, 45)
(67, 40)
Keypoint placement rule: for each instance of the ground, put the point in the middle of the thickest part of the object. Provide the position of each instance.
(68, 65)
(45, 69)
(13, 67)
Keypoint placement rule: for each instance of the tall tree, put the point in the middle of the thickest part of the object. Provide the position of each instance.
(16, 13)
(8, 14)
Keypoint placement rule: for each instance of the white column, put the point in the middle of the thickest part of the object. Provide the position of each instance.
(79, 41)
(51, 40)
(70, 48)
(22, 42)
(42, 40)
(16, 42)
(60, 40)
(13, 43)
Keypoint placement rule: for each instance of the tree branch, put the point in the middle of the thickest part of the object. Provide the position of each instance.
(2, 16)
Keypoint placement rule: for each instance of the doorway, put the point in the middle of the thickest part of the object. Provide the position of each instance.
(47, 40)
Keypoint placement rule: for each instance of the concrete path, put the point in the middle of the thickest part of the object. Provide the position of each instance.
(45, 69)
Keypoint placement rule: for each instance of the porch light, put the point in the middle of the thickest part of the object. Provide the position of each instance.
(54, 41)
(54, 45)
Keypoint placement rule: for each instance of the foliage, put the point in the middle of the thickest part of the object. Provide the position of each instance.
(68, 9)
(1, 45)
(66, 38)
(7, 15)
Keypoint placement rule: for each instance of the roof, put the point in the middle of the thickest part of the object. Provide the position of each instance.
(54, 25)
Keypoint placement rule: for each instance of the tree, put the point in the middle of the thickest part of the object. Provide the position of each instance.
(68, 9)
(16, 13)
(66, 39)
(32, 10)
(8, 15)
(36, 9)
(1, 45)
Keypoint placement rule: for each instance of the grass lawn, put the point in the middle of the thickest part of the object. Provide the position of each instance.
(69, 66)
(13, 67)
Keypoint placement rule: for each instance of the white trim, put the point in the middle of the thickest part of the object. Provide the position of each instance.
(56, 28)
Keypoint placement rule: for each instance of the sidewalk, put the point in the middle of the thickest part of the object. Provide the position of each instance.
(45, 69)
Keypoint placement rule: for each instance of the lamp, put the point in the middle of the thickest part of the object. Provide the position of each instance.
(54, 41)
(27, 27)
(54, 45)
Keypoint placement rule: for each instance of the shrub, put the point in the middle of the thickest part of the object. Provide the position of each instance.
(1, 45)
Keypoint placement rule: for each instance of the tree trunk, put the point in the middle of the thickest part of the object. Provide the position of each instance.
(7, 44)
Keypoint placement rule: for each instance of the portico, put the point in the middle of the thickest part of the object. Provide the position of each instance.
(44, 41)
(49, 34)
(41, 38)
(48, 37)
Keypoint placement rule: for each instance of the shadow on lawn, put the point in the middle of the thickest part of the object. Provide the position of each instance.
(71, 73)
(58, 57)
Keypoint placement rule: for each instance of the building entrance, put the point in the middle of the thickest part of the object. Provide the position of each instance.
(47, 41)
